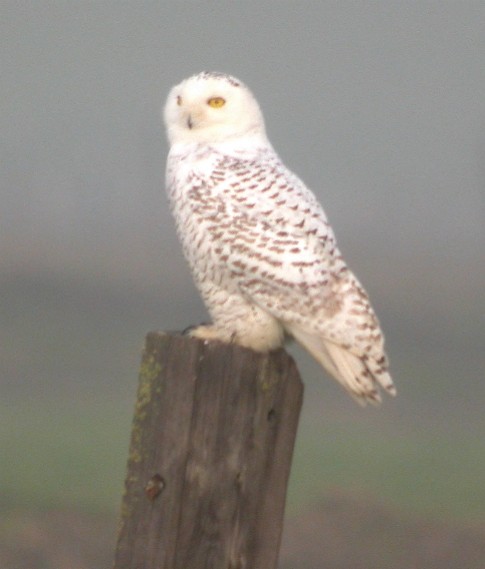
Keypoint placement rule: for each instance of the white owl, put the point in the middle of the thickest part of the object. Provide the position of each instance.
(259, 245)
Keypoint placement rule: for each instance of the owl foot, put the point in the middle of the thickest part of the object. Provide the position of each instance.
(188, 331)
(206, 332)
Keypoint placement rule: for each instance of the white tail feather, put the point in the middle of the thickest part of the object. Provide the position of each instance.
(360, 376)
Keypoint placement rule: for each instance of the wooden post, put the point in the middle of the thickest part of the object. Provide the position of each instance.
(210, 456)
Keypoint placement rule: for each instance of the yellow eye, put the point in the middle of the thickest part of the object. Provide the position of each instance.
(216, 102)
(179, 100)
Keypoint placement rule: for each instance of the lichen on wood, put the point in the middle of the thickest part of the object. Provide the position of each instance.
(210, 454)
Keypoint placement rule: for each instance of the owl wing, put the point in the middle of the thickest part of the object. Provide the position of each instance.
(267, 231)
(270, 232)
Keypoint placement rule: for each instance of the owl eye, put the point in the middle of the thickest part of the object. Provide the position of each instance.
(179, 100)
(216, 102)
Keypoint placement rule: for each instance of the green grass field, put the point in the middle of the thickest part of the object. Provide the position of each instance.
(70, 385)
(61, 453)
(64, 454)
(421, 473)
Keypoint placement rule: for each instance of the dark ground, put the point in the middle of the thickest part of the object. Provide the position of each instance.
(341, 532)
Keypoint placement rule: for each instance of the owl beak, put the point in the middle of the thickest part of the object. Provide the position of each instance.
(190, 124)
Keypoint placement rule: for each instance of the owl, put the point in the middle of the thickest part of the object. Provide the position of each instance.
(258, 243)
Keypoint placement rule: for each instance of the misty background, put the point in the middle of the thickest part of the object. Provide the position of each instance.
(378, 106)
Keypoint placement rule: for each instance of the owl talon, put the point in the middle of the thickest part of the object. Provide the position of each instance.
(206, 332)
(188, 331)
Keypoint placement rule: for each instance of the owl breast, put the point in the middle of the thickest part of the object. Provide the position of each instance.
(221, 244)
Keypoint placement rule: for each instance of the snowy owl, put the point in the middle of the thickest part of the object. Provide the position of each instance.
(259, 245)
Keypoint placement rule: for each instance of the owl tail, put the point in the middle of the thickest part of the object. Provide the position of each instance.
(360, 376)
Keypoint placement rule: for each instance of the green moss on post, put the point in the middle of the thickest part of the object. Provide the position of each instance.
(210, 455)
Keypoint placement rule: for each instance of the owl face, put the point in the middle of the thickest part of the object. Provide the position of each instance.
(211, 107)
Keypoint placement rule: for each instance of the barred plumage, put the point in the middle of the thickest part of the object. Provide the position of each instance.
(260, 248)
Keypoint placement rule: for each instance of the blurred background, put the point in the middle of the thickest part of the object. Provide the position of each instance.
(380, 108)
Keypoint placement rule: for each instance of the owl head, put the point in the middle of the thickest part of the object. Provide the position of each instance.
(212, 107)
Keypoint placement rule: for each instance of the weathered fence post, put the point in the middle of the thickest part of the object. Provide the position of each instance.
(210, 455)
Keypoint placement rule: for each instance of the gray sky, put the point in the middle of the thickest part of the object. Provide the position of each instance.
(378, 106)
